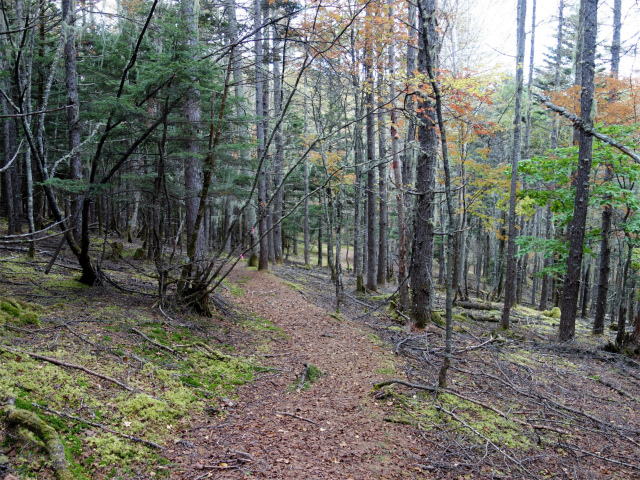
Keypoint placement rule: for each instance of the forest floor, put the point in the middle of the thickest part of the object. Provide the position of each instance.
(139, 392)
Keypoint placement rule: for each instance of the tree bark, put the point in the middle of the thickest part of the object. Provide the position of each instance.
(510, 284)
(263, 254)
(403, 287)
(582, 177)
(192, 115)
(371, 174)
(278, 159)
(382, 184)
(73, 109)
(421, 272)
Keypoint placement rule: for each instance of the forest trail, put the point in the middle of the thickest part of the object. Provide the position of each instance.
(343, 434)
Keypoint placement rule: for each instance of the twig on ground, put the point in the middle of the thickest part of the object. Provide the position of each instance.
(159, 345)
(298, 417)
(55, 361)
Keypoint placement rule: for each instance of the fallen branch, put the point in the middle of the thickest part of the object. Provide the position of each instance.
(120, 287)
(472, 400)
(617, 389)
(474, 306)
(476, 432)
(99, 425)
(17, 417)
(55, 361)
(482, 318)
(159, 345)
(572, 447)
(298, 417)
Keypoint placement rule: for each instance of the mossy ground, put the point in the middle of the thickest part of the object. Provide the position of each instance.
(429, 413)
(92, 328)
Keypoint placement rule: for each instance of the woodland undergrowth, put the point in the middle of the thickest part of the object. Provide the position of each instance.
(117, 378)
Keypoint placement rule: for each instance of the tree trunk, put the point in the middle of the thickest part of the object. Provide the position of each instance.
(423, 221)
(527, 131)
(624, 284)
(403, 287)
(278, 159)
(371, 176)
(581, 179)
(192, 115)
(544, 292)
(263, 255)
(382, 184)
(510, 285)
(73, 109)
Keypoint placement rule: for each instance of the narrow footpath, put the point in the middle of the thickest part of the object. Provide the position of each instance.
(332, 430)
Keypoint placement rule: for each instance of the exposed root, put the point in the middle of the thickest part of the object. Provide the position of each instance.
(17, 417)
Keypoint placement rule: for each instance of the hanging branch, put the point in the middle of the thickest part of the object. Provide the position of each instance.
(585, 128)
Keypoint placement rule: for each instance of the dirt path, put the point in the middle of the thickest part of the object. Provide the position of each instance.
(344, 434)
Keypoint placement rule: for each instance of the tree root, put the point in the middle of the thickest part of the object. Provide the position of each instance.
(17, 417)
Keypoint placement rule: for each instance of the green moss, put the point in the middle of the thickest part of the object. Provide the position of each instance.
(10, 307)
(235, 290)
(387, 371)
(394, 328)
(553, 313)
(499, 430)
(436, 317)
(295, 286)
(29, 318)
(380, 298)
(113, 450)
(460, 317)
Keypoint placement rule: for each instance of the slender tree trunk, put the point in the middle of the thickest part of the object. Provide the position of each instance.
(403, 293)
(307, 238)
(581, 179)
(586, 288)
(73, 108)
(371, 175)
(615, 44)
(382, 183)
(510, 284)
(263, 255)
(192, 115)
(557, 71)
(527, 132)
(278, 159)
(407, 159)
(624, 284)
(607, 211)
(319, 241)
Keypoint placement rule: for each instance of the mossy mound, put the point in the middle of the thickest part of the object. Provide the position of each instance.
(17, 311)
(437, 318)
(553, 313)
